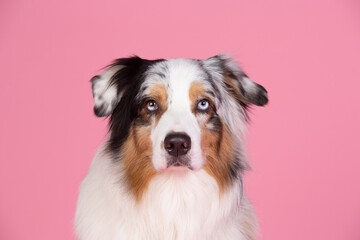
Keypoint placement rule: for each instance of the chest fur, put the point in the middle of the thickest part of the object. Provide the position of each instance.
(173, 207)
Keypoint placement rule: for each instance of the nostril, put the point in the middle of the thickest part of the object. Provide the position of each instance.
(169, 146)
(185, 145)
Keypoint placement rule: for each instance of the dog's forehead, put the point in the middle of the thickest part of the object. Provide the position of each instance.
(177, 75)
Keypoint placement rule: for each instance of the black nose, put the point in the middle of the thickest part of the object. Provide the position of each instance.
(177, 144)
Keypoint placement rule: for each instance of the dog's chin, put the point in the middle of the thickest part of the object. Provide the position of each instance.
(177, 170)
(171, 164)
(176, 165)
(180, 161)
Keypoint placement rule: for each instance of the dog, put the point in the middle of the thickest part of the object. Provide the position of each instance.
(174, 157)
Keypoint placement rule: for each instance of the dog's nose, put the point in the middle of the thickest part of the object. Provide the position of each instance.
(177, 144)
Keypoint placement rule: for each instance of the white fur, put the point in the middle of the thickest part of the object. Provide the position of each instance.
(249, 86)
(178, 117)
(176, 206)
(106, 95)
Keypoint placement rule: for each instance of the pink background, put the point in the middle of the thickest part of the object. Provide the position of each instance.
(304, 145)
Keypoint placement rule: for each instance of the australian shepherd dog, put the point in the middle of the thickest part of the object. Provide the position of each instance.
(174, 158)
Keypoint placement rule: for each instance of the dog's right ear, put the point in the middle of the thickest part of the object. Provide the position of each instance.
(109, 87)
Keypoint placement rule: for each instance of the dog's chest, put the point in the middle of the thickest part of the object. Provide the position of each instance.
(175, 207)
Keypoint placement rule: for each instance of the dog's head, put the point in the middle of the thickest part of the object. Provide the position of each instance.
(176, 114)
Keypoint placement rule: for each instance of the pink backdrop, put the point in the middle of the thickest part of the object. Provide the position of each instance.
(304, 145)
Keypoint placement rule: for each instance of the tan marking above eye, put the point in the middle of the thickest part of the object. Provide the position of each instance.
(197, 93)
(158, 93)
(196, 89)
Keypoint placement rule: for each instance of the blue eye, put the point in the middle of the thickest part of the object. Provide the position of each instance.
(203, 105)
(151, 106)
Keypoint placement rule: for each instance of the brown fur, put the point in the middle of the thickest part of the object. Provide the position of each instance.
(159, 93)
(197, 92)
(234, 89)
(136, 154)
(218, 150)
(137, 149)
(217, 146)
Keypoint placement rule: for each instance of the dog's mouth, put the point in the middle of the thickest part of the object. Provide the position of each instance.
(179, 162)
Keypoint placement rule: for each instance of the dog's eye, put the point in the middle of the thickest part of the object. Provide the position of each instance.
(151, 105)
(203, 105)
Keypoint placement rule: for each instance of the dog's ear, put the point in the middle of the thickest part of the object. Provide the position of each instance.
(223, 68)
(104, 92)
(109, 87)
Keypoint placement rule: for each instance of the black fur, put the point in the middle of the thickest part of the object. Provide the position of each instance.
(261, 98)
(216, 123)
(236, 167)
(127, 81)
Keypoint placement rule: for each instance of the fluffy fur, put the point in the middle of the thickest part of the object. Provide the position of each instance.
(137, 189)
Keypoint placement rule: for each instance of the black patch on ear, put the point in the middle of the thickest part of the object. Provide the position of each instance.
(100, 111)
(127, 81)
(261, 98)
(258, 98)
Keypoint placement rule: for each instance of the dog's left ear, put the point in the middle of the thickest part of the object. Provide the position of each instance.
(223, 68)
